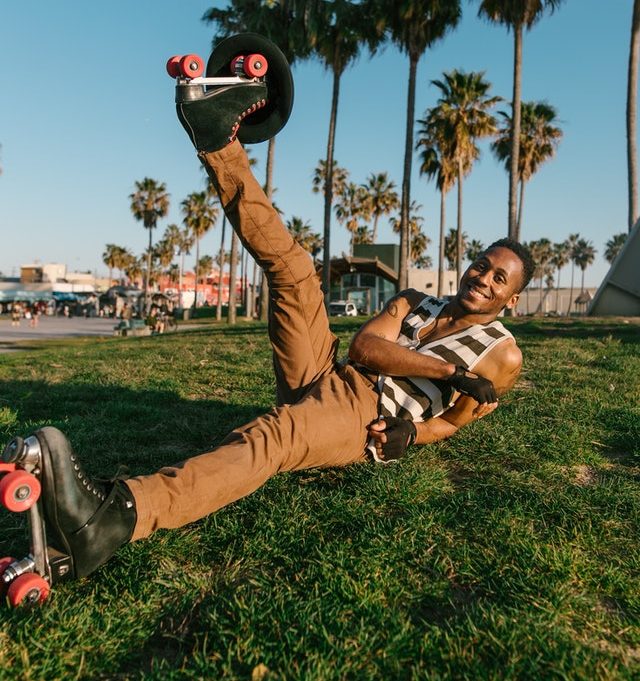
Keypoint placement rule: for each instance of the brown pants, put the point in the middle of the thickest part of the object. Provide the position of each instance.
(323, 411)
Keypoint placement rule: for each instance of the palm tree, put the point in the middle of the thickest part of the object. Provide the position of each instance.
(149, 202)
(542, 253)
(133, 268)
(463, 109)
(181, 241)
(233, 269)
(203, 267)
(337, 35)
(221, 260)
(164, 252)
(200, 214)
(474, 250)
(451, 247)
(632, 105)
(111, 257)
(339, 178)
(539, 139)
(559, 259)
(571, 242)
(381, 197)
(614, 246)
(436, 162)
(301, 231)
(414, 26)
(584, 254)
(285, 23)
(418, 241)
(516, 15)
(350, 208)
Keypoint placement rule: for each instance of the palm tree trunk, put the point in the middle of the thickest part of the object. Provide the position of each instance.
(571, 290)
(220, 268)
(515, 129)
(233, 269)
(632, 97)
(374, 231)
(459, 227)
(328, 190)
(254, 282)
(403, 274)
(146, 285)
(195, 288)
(558, 290)
(180, 299)
(518, 228)
(441, 243)
(264, 284)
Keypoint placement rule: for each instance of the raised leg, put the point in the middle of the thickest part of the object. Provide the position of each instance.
(304, 349)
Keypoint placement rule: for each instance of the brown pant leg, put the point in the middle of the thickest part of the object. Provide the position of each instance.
(303, 346)
(326, 428)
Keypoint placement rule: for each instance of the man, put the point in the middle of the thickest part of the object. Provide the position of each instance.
(328, 414)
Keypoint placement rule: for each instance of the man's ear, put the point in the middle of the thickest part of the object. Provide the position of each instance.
(513, 301)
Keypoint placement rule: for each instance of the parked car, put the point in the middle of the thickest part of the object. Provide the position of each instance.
(343, 308)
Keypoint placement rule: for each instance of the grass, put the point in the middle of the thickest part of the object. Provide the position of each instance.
(509, 551)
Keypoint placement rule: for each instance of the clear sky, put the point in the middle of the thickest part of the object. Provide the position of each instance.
(87, 109)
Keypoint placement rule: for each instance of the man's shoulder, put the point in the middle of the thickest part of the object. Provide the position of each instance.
(509, 355)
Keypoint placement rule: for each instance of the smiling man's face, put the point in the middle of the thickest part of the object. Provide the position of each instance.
(491, 282)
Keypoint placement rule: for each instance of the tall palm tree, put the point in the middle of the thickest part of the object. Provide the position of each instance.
(584, 254)
(233, 270)
(571, 242)
(339, 31)
(516, 15)
(203, 267)
(560, 258)
(382, 197)
(539, 139)
(221, 262)
(632, 112)
(464, 109)
(436, 162)
(614, 246)
(200, 214)
(181, 241)
(414, 26)
(285, 23)
(149, 203)
(351, 207)
(134, 268)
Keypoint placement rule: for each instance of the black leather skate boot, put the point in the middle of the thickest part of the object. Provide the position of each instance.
(88, 520)
(212, 118)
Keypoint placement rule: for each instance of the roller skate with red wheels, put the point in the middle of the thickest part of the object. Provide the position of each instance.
(75, 524)
(247, 92)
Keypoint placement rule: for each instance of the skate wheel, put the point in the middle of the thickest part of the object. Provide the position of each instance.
(267, 121)
(173, 66)
(28, 589)
(4, 564)
(255, 65)
(19, 491)
(236, 66)
(191, 66)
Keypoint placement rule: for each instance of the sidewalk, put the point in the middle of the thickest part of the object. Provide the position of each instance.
(53, 327)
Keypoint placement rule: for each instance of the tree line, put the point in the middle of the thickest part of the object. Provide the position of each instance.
(336, 32)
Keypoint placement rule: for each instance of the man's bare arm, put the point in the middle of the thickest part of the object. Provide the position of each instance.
(375, 347)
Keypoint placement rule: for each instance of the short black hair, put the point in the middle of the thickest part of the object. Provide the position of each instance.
(528, 264)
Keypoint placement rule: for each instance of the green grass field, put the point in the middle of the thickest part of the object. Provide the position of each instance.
(507, 552)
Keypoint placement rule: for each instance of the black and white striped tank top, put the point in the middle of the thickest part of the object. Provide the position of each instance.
(418, 399)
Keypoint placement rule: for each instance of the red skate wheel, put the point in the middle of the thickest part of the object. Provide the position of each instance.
(255, 65)
(19, 491)
(28, 589)
(236, 65)
(191, 66)
(4, 564)
(173, 66)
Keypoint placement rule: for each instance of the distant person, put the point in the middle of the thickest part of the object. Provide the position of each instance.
(16, 314)
(418, 372)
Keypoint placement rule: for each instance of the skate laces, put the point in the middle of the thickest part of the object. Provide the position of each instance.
(252, 109)
(121, 474)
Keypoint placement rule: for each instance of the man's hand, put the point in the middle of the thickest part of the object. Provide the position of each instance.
(468, 383)
(392, 436)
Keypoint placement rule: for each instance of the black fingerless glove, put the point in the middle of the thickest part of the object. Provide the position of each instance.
(468, 383)
(401, 434)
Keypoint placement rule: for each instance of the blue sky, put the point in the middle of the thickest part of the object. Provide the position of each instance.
(87, 109)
